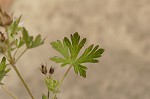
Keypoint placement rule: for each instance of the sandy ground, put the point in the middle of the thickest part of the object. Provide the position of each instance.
(119, 26)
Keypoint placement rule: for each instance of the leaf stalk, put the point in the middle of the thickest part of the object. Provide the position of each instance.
(61, 81)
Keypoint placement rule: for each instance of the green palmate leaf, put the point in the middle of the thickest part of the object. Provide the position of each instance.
(28, 40)
(52, 85)
(3, 70)
(70, 50)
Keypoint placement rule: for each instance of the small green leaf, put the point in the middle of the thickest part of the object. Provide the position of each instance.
(37, 42)
(3, 70)
(44, 96)
(27, 39)
(14, 27)
(13, 30)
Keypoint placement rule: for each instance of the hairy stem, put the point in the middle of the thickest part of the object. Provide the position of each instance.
(22, 80)
(8, 92)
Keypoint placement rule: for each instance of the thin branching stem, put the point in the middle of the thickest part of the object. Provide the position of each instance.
(19, 75)
(21, 55)
(22, 80)
(8, 92)
(12, 63)
(15, 53)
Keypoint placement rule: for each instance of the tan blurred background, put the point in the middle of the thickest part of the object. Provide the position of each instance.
(122, 27)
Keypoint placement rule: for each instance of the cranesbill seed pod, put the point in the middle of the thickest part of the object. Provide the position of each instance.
(43, 69)
(51, 70)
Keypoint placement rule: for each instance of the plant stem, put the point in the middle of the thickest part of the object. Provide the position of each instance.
(22, 80)
(21, 54)
(12, 62)
(61, 81)
(8, 92)
(15, 53)
(54, 97)
(48, 94)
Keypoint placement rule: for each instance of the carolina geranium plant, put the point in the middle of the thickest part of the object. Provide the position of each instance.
(14, 37)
